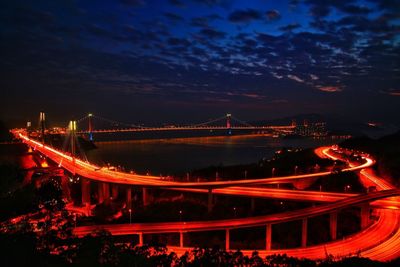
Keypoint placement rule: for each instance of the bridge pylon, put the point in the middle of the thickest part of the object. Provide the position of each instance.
(90, 126)
(42, 120)
(228, 123)
(72, 129)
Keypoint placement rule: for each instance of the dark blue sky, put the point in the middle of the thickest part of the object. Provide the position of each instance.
(153, 61)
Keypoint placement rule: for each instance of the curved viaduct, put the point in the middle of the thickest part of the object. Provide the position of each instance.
(378, 240)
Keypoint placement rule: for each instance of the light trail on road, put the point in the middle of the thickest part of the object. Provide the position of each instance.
(379, 241)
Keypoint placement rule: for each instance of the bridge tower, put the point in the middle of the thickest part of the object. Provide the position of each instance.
(42, 120)
(90, 126)
(72, 129)
(228, 123)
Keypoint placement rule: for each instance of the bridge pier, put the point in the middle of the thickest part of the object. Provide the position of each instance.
(252, 204)
(114, 191)
(210, 200)
(85, 188)
(106, 191)
(304, 226)
(140, 239)
(227, 239)
(128, 198)
(100, 194)
(268, 237)
(365, 213)
(146, 196)
(181, 239)
(333, 225)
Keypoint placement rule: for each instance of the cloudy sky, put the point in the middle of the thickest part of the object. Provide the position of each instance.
(154, 61)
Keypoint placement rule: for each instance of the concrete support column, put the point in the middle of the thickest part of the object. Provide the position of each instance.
(128, 197)
(114, 191)
(268, 236)
(365, 213)
(333, 225)
(106, 190)
(210, 200)
(85, 187)
(145, 196)
(227, 240)
(252, 204)
(140, 239)
(304, 233)
(181, 239)
(100, 192)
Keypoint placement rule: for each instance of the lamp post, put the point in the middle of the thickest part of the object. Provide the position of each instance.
(130, 216)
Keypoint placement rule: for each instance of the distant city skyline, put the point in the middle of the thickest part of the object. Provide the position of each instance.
(180, 61)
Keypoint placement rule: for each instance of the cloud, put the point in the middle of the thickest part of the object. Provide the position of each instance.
(290, 27)
(211, 3)
(176, 3)
(273, 15)
(134, 3)
(173, 17)
(276, 75)
(320, 11)
(314, 77)
(355, 10)
(178, 41)
(329, 89)
(212, 34)
(201, 22)
(244, 16)
(295, 78)
(391, 92)
(254, 96)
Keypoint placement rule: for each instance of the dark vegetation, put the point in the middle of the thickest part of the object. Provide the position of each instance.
(285, 162)
(386, 150)
(14, 199)
(5, 135)
(99, 249)
(339, 182)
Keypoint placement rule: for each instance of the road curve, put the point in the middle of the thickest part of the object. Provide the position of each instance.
(94, 172)
(168, 227)
(380, 241)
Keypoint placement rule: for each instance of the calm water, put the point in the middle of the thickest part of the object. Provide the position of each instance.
(169, 156)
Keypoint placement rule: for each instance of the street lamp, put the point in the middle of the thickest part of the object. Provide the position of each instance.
(273, 172)
(234, 211)
(295, 169)
(130, 216)
(180, 215)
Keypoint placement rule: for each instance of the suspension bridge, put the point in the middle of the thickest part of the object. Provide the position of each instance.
(226, 123)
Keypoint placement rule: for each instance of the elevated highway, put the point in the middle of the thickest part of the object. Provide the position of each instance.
(378, 240)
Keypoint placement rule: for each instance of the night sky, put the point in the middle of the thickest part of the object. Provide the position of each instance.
(188, 61)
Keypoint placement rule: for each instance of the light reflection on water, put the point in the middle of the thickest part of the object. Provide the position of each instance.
(179, 155)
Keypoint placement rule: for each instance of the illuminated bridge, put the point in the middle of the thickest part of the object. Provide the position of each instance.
(227, 123)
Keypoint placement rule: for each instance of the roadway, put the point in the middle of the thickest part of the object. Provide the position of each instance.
(93, 172)
(190, 128)
(174, 227)
(380, 241)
